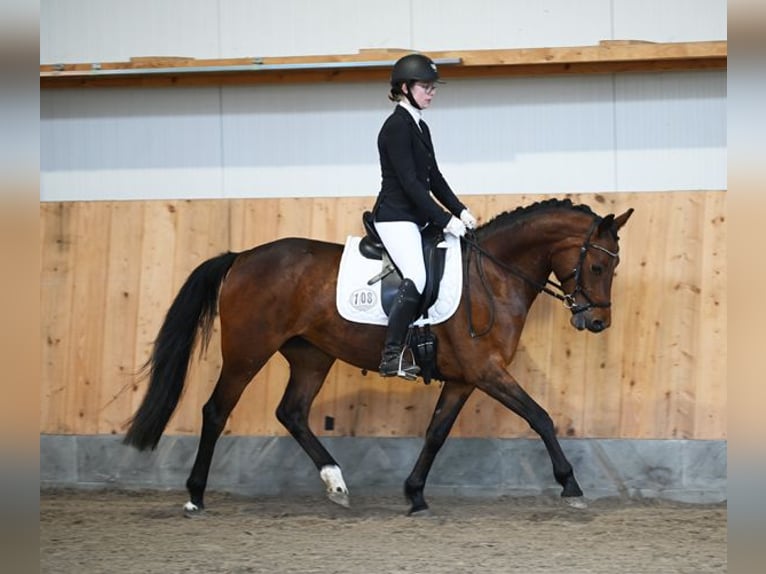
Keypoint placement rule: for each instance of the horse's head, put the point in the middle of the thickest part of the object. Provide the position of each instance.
(586, 269)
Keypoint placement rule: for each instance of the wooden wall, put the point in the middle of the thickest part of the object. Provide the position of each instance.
(110, 270)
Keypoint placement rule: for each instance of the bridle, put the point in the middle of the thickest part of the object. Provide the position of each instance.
(569, 299)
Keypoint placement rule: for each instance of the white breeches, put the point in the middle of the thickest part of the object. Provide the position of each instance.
(404, 244)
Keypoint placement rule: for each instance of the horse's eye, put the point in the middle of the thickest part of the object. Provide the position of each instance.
(596, 269)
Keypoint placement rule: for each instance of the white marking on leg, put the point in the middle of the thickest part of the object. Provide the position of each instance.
(336, 487)
(333, 479)
(576, 502)
(190, 507)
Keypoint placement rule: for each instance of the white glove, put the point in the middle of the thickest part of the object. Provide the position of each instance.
(455, 227)
(468, 219)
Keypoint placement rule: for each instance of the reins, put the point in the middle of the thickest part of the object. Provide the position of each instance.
(567, 298)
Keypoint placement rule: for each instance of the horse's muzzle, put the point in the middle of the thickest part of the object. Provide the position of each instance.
(582, 321)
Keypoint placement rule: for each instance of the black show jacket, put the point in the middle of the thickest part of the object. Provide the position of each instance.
(409, 174)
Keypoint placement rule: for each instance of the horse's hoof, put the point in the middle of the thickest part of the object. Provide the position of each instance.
(340, 498)
(336, 487)
(191, 510)
(421, 513)
(576, 502)
(419, 510)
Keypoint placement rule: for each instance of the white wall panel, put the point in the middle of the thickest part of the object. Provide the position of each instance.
(307, 27)
(669, 20)
(116, 30)
(521, 135)
(315, 141)
(485, 24)
(492, 136)
(530, 135)
(515, 135)
(671, 131)
(130, 143)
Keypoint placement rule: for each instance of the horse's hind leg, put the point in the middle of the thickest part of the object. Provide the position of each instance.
(451, 401)
(228, 390)
(308, 368)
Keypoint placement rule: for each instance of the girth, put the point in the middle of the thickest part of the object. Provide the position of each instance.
(372, 247)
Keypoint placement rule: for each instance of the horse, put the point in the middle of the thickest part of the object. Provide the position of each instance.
(280, 297)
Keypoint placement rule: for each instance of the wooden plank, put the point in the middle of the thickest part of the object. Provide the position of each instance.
(607, 57)
(659, 372)
(710, 414)
(329, 402)
(255, 412)
(678, 310)
(482, 415)
(57, 268)
(191, 228)
(236, 225)
(123, 266)
(641, 267)
(346, 384)
(321, 226)
(377, 75)
(539, 358)
(155, 284)
(322, 223)
(86, 330)
(369, 415)
(690, 353)
(204, 230)
(602, 396)
(243, 217)
(604, 51)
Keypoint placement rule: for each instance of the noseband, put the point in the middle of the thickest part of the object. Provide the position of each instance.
(567, 298)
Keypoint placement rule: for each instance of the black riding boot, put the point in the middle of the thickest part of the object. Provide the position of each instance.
(395, 360)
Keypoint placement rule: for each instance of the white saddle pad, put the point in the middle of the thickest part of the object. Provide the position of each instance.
(361, 303)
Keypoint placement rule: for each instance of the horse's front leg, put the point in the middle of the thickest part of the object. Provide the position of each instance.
(451, 401)
(504, 388)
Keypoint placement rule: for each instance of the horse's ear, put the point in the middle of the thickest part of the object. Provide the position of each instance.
(611, 224)
(622, 219)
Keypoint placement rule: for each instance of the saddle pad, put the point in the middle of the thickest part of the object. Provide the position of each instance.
(361, 303)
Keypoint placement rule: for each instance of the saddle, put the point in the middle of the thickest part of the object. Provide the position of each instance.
(422, 341)
(372, 247)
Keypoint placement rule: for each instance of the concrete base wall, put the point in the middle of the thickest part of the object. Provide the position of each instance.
(682, 470)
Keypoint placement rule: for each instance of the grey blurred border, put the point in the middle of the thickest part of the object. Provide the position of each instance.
(19, 255)
(746, 314)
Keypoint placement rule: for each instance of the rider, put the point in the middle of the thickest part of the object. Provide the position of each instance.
(409, 175)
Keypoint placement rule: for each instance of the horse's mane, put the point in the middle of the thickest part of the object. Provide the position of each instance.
(510, 218)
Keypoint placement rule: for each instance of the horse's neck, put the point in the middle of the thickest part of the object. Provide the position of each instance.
(518, 249)
(529, 247)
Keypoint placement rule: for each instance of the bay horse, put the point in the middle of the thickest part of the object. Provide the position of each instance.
(280, 297)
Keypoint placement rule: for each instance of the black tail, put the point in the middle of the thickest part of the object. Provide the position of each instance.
(193, 310)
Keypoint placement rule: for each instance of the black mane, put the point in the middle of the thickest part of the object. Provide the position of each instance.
(508, 218)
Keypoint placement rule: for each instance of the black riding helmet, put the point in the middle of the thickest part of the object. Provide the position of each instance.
(410, 69)
(413, 68)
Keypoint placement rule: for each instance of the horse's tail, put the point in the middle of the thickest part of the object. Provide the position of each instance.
(193, 310)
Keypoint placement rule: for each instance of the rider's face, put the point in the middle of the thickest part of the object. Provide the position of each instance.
(422, 93)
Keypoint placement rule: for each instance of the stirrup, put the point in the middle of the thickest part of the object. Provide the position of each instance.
(409, 372)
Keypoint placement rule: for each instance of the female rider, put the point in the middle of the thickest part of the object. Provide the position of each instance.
(410, 180)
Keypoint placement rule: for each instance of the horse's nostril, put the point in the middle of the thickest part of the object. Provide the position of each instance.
(597, 325)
